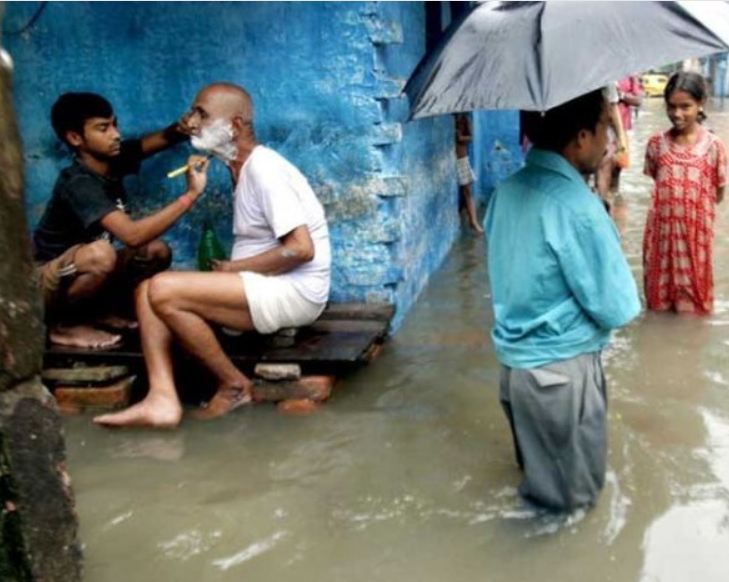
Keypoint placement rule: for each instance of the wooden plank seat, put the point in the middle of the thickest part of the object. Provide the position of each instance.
(345, 337)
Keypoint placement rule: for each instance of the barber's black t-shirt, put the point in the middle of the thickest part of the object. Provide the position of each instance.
(80, 199)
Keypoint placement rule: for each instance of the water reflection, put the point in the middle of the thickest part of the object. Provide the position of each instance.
(691, 540)
(408, 472)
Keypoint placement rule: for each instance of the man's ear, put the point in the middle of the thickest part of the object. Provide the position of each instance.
(237, 127)
(581, 137)
(240, 126)
(74, 139)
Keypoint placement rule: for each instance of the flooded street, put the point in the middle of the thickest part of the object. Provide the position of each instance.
(407, 474)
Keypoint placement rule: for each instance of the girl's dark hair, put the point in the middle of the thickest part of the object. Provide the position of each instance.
(71, 110)
(555, 128)
(691, 83)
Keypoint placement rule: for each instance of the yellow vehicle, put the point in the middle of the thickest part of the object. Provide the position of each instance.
(654, 84)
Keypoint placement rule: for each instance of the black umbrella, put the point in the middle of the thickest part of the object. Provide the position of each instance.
(536, 55)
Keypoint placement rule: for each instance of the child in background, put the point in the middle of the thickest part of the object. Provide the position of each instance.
(466, 177)
(607, 175)
(688, 165)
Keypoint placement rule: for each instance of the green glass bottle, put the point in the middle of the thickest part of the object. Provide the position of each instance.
(209, 248)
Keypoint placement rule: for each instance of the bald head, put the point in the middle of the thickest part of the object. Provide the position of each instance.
(225, 100)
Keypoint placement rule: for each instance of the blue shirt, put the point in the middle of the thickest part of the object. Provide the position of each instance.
(559, 279)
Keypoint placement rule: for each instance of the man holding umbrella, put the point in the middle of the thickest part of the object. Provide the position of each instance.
(560, 284)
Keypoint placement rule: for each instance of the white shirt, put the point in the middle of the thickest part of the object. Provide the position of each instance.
(272, 198)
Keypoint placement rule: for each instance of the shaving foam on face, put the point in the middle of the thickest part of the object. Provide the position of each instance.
(216, 138)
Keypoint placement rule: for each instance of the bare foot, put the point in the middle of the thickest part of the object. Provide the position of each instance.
(152, 412)
(83, 336)
(225, 400)
(117, 322)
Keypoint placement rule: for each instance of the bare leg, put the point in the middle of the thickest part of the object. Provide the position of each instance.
(132, 267)
(186, 302)
(467, 195)
(161, 407)
(94, 263)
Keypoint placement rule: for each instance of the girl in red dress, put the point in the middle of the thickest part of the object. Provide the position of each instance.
(688, 165)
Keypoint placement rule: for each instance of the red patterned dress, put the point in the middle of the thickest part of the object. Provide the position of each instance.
(679, 232)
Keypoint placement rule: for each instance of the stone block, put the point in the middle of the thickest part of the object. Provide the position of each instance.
(72, 399)
(373, 275)
(380, 296)
(394, 186)
(388, 87)
(283, 338)
(288, 331)
(84, 374)
(298, 406)
(278, 371)
(383, 31)
(387, 231)
(386, 134)
(316, 388)
(39, 519)
(281, 341)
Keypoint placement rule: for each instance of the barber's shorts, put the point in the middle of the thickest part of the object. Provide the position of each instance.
(54, 273)
(465, 173)
(275, 303)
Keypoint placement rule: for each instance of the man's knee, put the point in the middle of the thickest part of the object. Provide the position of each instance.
(96, 258)
(162, 292)
(141, 291)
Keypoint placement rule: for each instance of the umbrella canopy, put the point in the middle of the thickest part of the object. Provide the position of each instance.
(537, 55)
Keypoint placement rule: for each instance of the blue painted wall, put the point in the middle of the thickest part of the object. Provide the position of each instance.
(425, 158)
(714, 68)
(497, 152)
(326, 81)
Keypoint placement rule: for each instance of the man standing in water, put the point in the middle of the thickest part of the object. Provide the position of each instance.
(278, 275)
(560, 284)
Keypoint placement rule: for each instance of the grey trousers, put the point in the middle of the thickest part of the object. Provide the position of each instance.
(558, 418)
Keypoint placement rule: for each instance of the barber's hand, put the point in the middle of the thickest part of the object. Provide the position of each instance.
(221, 266)
(197, 176)
(182, 124)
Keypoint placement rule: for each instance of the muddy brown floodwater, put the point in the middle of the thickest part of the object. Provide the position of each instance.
(407, 474)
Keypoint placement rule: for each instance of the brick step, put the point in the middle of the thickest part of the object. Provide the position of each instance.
(74, 399)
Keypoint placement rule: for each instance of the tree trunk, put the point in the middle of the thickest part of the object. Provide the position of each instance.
(38, 524)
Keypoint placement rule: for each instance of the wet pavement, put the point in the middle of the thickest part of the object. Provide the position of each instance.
(408, 474)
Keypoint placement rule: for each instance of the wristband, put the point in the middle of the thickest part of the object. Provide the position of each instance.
(186, 201)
